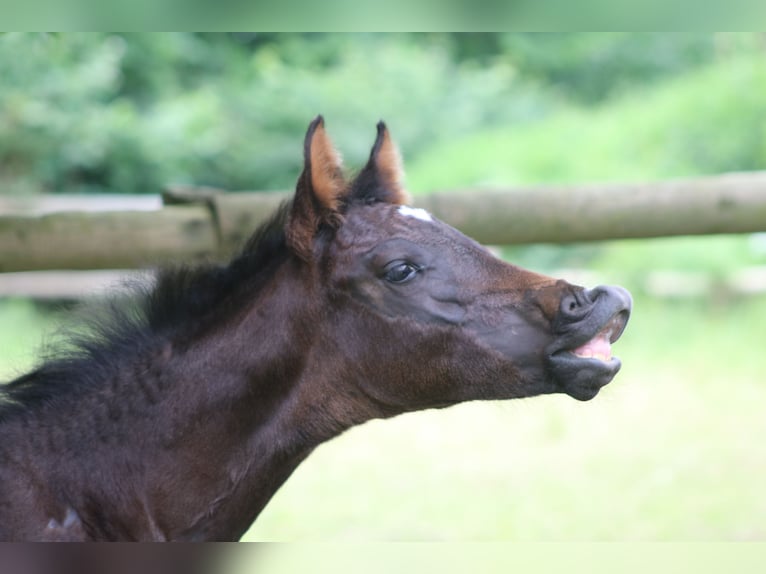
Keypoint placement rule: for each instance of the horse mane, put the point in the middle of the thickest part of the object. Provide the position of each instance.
(182, 301)
(183, 294)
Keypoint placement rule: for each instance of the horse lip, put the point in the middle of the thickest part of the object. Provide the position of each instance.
(616, 325)
(621, 318)
(615, 322)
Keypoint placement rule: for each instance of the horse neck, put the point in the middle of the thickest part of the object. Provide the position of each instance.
(239, 384)
(267, 395)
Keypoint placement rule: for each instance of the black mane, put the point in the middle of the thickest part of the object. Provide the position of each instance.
(185, 294)
(182, 301)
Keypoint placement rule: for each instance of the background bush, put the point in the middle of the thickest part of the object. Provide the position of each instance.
(129, 113)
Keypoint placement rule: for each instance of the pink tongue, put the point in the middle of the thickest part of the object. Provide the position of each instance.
(598, 347)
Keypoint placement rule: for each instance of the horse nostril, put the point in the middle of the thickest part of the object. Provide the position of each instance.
(569, 304)
(575, 304)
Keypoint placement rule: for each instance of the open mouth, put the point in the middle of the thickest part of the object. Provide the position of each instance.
(581, 361)
(599, 347)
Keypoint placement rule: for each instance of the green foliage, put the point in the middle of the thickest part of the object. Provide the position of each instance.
(133, 112)
(706, 122)
(65, 124)
(591, 67)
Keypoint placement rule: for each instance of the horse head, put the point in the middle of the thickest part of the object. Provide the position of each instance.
(423, 316)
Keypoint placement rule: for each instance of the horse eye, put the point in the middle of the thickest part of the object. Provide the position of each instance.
(401, 272)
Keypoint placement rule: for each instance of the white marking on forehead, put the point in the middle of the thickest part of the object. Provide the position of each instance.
(415, 212)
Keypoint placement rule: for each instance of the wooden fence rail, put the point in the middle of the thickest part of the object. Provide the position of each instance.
(193, 225)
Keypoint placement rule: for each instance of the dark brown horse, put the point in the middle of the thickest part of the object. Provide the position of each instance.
(180, 416)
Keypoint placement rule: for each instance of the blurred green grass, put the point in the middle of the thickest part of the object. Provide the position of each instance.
(23, 330)
(542, 558)
(671, 450)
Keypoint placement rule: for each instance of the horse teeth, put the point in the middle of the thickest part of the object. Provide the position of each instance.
(593, 355)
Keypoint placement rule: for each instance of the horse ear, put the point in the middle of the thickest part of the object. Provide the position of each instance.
(382, 177)
(319, 192)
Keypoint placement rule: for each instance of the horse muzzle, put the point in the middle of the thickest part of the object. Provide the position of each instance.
(580, 358)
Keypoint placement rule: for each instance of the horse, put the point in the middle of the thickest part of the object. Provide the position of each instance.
(177, 415)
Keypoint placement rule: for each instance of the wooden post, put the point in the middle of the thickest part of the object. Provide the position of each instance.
(732, 203)
(213, 224)
(110, 240)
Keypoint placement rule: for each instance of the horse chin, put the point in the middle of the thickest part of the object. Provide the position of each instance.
(582, 378)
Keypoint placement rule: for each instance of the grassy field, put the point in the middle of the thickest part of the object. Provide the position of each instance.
(671, 450)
